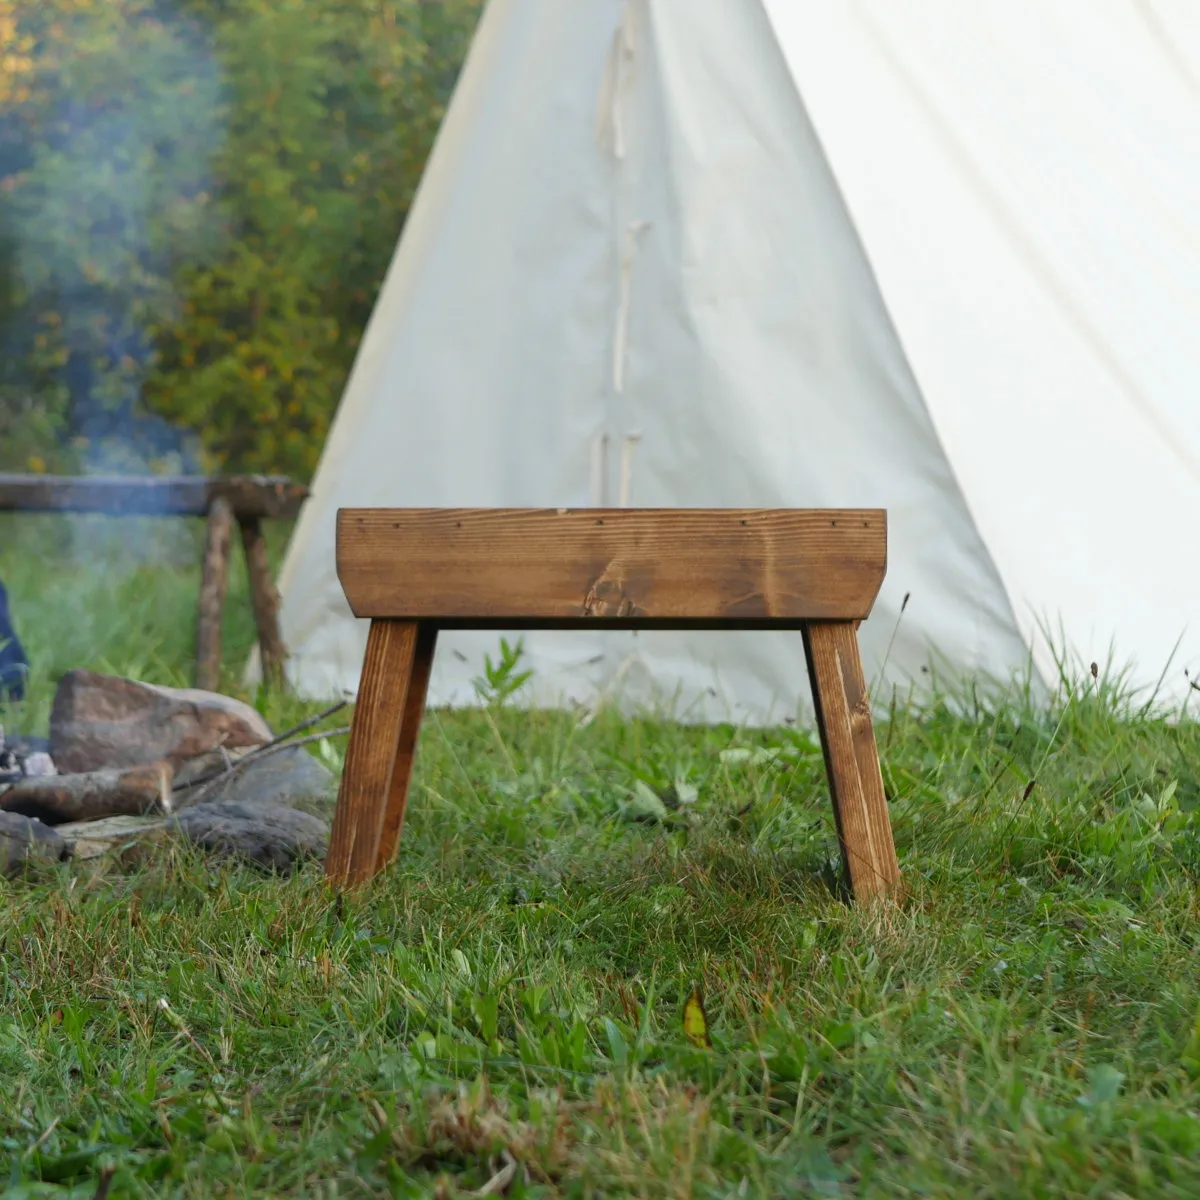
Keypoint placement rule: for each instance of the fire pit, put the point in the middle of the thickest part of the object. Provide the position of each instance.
(129, 761)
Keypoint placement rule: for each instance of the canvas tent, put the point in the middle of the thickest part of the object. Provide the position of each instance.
(938, 257)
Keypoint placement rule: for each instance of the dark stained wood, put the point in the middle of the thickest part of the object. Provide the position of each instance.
(354, 842)
(178, 495)
(264, 597)
(851, 758)
(414, 709)
(213, 583)
(625, 568)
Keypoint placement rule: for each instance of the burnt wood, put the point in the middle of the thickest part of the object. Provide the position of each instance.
(60, 799)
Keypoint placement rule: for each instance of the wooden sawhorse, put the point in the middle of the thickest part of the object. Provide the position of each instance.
(415, 571)
(246, 500)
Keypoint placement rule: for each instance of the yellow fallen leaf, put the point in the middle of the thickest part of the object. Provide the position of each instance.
(695, 1021)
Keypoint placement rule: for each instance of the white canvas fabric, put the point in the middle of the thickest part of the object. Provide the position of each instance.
(932, 257)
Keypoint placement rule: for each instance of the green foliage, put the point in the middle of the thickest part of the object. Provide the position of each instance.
(198, 201)
(323, 150)
(107, 166)
(501, 680)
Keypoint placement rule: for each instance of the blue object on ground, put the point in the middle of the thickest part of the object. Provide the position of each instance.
(14, 666)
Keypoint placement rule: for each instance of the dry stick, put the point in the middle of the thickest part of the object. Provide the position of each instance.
(340, 731)
(499, 1183)
(106, 1178)
(306, 724)
(271, 749)
(274, 744)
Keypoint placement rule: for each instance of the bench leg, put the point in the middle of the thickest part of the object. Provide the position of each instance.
(851, 758)
(371, 758)
(406, 748)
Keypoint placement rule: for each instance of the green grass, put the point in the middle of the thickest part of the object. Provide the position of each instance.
(1025, 1025)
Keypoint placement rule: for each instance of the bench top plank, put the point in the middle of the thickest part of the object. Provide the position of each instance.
(623, 568)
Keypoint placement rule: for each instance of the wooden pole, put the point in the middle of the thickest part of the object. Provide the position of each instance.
(213, 583)
(265, 598)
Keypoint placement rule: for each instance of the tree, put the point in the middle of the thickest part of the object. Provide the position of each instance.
(200, 199)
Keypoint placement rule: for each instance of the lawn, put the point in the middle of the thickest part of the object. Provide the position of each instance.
(502, 1012)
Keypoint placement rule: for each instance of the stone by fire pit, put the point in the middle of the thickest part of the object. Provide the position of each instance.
(127, 761)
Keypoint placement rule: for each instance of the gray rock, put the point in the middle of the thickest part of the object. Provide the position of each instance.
(24, 841)
(101, 721)
(290, 777)
(38, 765)
(266, 834)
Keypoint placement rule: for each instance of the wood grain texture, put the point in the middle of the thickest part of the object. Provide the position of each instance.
(626, 568)
(214, 580)
(406, 748)
(163, 495)
(851, 758)
(264, 597)
(371, 755)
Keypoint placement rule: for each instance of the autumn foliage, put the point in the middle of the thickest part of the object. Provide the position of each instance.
(198, 201)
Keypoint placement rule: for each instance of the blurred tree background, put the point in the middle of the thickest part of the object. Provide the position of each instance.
(198, 202)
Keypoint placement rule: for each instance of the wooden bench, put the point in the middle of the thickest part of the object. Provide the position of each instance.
(415, 571)
(244, 499)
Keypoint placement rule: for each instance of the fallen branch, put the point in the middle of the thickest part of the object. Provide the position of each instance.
(281, 741)
(295, 729)
(266, 752)
(341, 731)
